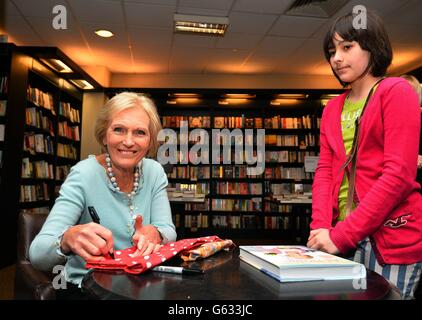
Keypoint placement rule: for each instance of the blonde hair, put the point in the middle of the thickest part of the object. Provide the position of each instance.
(415, 85)
(123, 101)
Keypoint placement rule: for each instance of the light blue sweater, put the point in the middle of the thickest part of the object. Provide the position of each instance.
(88, 185)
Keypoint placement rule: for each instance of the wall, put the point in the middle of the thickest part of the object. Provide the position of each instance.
(99, 73)
(91, 105)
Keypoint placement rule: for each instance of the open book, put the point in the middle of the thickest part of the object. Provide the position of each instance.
(299, 263)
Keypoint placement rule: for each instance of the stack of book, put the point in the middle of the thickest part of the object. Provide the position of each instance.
(184, 195)
(299, 263)
(306, 197)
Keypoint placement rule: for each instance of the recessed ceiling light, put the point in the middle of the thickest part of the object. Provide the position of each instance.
(292, 96)
(329, 95)
(104, 33)
(183, 95)
(281, 102)
(233, 101)
(239, 96)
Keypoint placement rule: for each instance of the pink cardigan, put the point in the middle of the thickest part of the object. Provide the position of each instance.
(390, 208)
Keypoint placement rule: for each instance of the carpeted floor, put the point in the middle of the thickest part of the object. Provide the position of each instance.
(7, 278)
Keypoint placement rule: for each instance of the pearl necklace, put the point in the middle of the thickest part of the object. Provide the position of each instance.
(113, 180)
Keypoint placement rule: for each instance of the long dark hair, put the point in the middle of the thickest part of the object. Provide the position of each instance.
(373, 39)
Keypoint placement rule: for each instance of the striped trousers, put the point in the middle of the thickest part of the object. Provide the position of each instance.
(404, 276)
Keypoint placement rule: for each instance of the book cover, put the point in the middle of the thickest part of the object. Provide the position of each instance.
(219, 122)
(299, 263)
(195, 122)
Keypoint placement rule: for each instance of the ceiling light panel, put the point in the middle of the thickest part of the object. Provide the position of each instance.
(205, 25)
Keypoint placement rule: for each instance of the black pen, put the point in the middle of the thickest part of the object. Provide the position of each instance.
(178, 270)
(96, 219)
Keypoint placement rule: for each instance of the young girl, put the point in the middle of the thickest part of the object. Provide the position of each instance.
(375, 208)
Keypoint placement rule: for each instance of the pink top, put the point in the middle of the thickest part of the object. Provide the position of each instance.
(390, 208)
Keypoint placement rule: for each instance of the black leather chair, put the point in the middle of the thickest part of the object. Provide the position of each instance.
(31, 283)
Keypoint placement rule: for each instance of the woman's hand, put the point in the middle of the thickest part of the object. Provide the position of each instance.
(90, 241)
(146, 238)
(319, 239)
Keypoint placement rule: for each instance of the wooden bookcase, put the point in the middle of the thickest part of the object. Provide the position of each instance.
(15, 95)
(51, 141)
(237, 206)
(37, 130)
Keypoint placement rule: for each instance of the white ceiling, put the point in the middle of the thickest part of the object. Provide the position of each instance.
(260, 39)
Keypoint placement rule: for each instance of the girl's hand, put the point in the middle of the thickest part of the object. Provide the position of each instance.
(319, 239)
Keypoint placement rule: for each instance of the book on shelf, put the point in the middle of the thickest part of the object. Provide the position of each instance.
(37, 210)
(184, 195)
(298, 263)
(2, 127)
(311, 163)
(181, 199)
(219, 122)
(4, 84)
(3, 107)
(196, 122)
(293, 198)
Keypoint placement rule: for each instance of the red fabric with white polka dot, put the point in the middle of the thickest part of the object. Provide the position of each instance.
(123, 259)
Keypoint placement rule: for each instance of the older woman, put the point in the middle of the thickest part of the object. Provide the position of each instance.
(127, 190)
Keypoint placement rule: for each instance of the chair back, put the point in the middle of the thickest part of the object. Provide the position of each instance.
(29, 225)
(31, 283)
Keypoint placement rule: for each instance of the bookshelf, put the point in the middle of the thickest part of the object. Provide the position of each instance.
(51, 142)
(291, 135)
(41, 137)
(12, 95)
(4, 79)
(274, 206)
